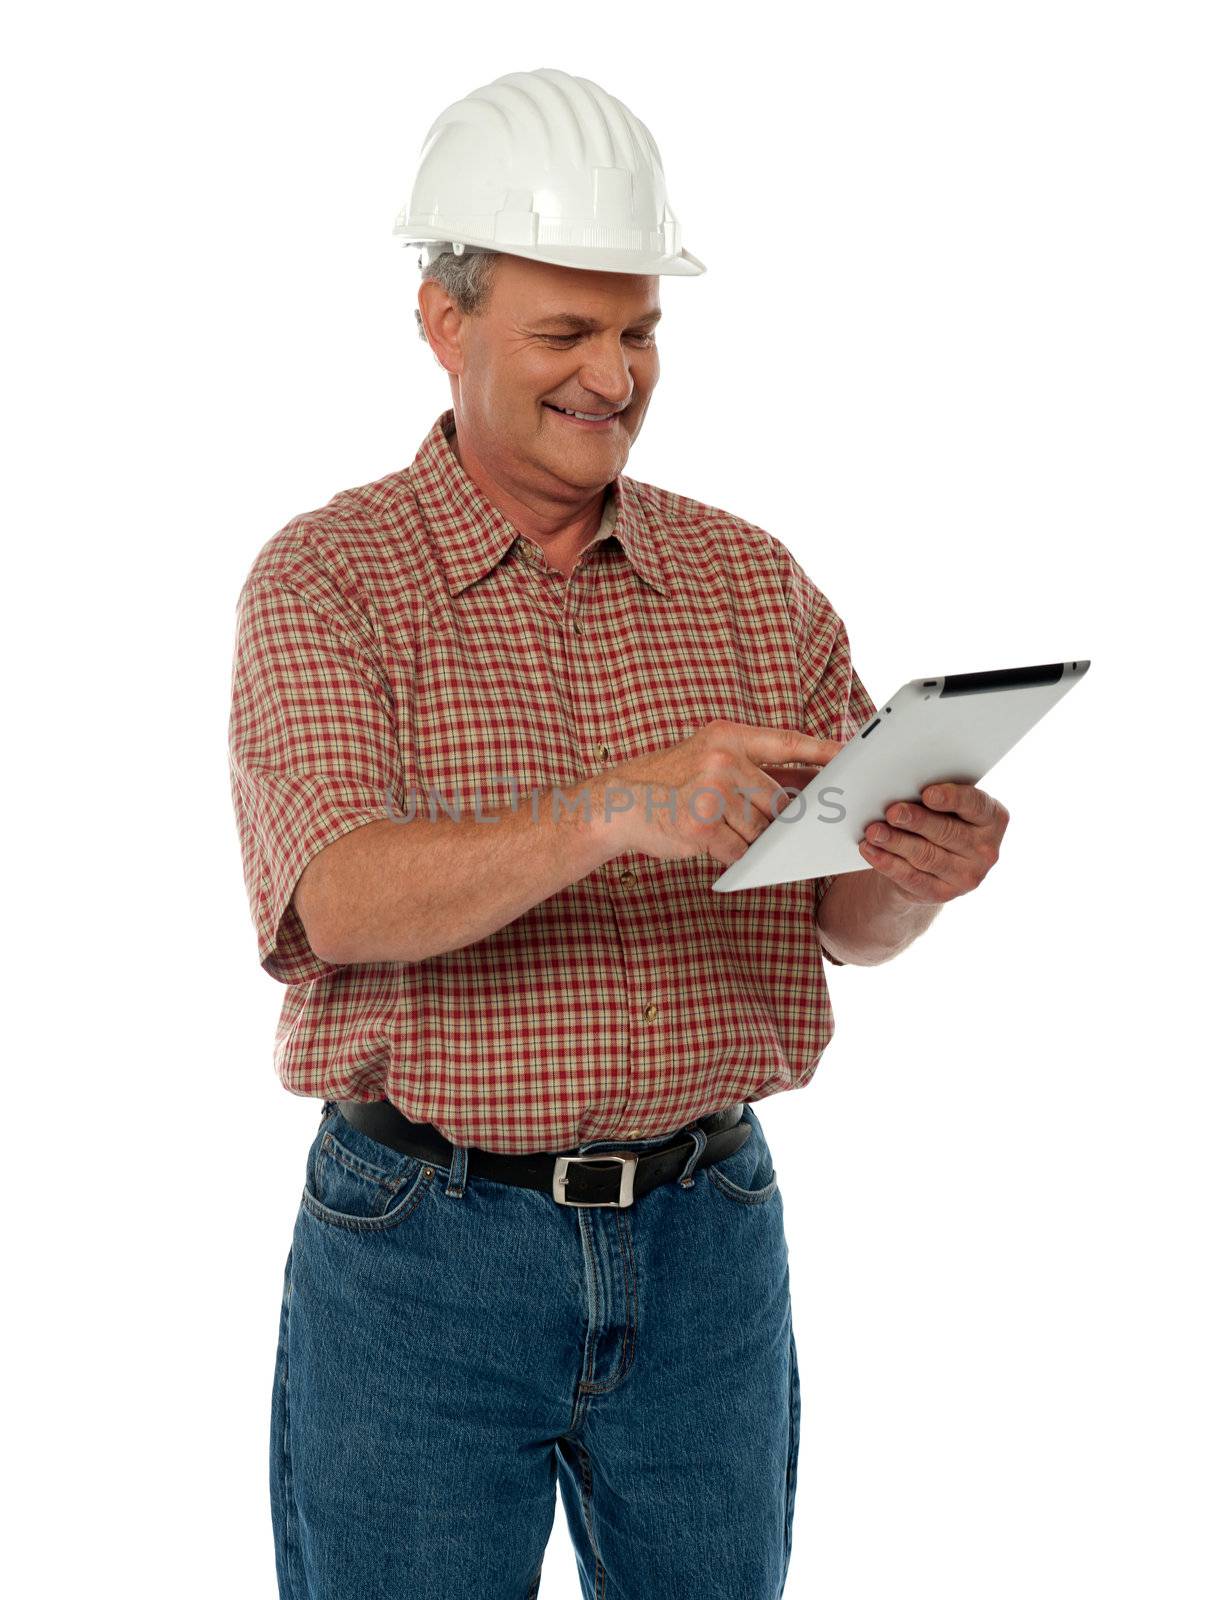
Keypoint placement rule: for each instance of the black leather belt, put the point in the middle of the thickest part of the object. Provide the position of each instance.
(600, 1178)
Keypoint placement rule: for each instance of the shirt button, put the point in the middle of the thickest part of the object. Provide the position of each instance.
(651, 1011)
(577, 628)
(633, 1133)
(628, 877)
(602, 752)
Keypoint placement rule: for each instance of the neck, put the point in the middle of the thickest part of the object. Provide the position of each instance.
(561, 529)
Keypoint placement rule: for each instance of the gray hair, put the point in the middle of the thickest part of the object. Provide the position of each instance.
(467, 279)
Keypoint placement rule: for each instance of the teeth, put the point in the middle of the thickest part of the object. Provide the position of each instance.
(586, 416)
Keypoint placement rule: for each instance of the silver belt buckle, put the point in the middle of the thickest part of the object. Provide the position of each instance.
(628, 1166)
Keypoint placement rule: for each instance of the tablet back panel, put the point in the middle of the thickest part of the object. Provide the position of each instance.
(953, 728)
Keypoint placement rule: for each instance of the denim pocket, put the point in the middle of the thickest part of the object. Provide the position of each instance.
(747, 1176)
(354, 1182)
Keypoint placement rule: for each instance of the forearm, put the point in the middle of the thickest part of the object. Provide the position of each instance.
(865, 920)
(404, 891)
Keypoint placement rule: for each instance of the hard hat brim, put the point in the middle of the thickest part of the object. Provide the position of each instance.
(683, 265)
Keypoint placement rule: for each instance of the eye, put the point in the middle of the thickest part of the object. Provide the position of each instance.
(564, 340)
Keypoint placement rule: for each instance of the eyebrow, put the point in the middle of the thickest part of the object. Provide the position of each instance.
(585, 324)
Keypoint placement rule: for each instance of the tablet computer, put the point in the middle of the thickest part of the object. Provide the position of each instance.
(952, 728)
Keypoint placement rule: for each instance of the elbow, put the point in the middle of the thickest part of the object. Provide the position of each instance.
(341, 945)
(315, 909)
(340, 951)
(329, 942)
(327, 947)
(339, 925)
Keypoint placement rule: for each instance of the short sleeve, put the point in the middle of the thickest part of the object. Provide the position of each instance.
(313, 748)
(835, 700)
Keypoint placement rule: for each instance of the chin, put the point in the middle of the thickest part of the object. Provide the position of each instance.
(586, 472)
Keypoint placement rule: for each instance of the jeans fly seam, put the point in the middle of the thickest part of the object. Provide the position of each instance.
(594, 1326)
(628, 1266)
(628, 1345)
(631, 1279)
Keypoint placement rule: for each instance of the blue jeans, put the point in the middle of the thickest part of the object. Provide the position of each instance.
(451, 1346)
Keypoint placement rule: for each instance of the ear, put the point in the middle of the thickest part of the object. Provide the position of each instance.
(443, 325)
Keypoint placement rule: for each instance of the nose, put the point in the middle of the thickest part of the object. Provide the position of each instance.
(607, 373)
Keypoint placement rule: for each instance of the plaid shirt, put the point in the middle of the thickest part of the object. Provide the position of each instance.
(405, 638)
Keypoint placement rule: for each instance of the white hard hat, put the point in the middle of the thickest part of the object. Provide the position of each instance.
(551, 167)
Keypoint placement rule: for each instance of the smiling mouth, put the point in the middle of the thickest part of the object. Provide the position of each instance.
(590, 418)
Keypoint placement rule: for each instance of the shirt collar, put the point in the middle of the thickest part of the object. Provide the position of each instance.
(472, 536)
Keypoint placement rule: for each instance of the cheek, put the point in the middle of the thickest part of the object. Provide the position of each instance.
(520, 378)
(645, 371)
(542, 372)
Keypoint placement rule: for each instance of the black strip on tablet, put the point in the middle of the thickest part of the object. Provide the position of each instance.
(1003, 678)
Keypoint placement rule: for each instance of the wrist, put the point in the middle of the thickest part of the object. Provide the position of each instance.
(897, 902)
(603, 833)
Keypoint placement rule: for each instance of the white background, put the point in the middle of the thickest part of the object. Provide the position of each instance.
(959, 346)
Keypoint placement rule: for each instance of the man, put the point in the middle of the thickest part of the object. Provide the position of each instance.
(498, 721)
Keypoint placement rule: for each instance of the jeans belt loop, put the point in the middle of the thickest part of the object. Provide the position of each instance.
(686, 1180)
(457, 1182)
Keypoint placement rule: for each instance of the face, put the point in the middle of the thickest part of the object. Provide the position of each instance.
(550, 340)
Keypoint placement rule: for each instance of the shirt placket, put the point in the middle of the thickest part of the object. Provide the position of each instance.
(569, 608)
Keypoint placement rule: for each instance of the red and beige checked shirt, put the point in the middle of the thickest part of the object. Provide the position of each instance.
(405, 638)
